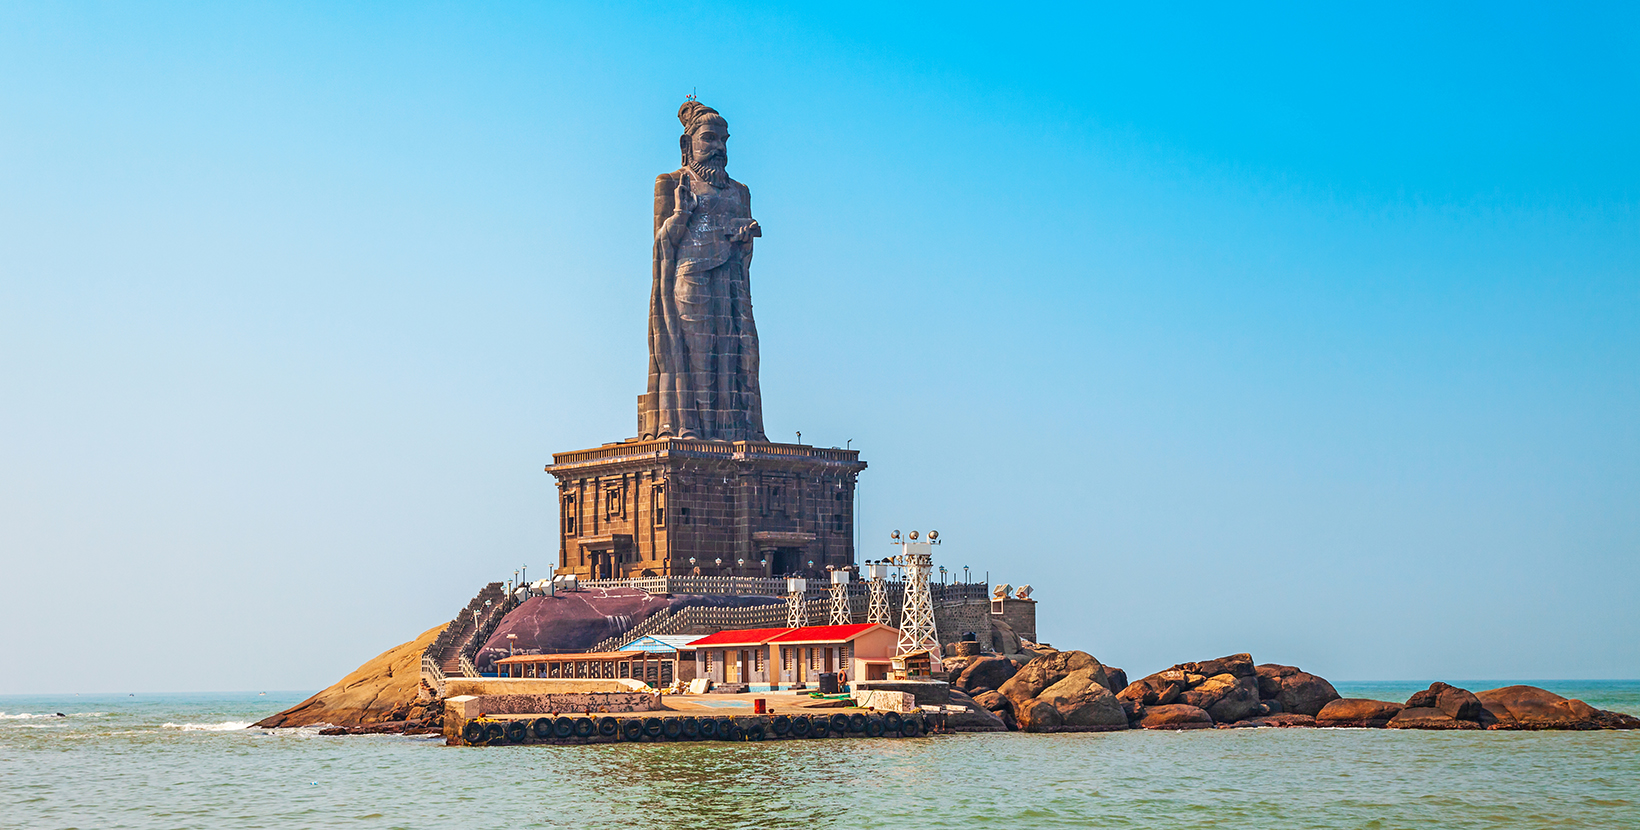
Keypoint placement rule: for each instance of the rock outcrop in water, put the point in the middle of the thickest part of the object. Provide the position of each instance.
(380, 692)
(1229, 690)
(1528, 707)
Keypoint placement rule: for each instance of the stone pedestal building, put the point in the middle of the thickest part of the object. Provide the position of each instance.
(646, 508)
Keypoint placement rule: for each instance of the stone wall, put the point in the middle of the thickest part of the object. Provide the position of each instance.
(1020, 615)
(956, 619)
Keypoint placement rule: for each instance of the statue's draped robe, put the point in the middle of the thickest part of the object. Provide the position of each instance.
(703, 356)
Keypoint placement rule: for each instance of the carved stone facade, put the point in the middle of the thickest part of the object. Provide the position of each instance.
(647, 508)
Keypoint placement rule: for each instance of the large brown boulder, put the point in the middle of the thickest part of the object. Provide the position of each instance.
(1083, 700)
(1003, 638)
(1296, 691)
(1037, 716)
(1175, 716)
(1240, 702)
(1293, 690)
(1117, 677)
(1456, 703)
(1158, 689)
(1428, 717)
(986, 673)
(380, 691)
(1236, 665)
(1208, 692)
(1045, 670)
(1355, 711)
(1269, 678)
(1529, 707)
(993, 701)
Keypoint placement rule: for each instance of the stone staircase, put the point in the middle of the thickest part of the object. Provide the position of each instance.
(463, 637)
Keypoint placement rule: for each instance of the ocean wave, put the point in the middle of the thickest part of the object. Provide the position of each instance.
(52, 715)
(225, 726)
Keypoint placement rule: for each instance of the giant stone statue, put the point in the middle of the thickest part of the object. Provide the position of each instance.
(702, 340)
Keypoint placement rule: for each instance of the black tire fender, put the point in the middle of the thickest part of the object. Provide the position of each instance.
(874, 727)
(839, 724)
(515, 731)
(563, 728)
(856, 723)
(473, 732)
(690, 729)
(780, 725)
(584, 727)
(800, 726)
(672, 728)
(607, 727)
(631, 729)
(541, 728)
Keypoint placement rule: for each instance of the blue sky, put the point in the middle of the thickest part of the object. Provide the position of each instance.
(1310, 333)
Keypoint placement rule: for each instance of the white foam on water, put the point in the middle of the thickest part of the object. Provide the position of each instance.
(225, 726)
(52, 715)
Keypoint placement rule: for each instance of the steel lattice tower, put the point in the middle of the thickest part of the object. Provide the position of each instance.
(917, 631)
(797, 606)
(878, 611)
(839, 596)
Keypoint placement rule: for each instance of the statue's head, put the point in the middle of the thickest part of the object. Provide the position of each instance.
(705, 136)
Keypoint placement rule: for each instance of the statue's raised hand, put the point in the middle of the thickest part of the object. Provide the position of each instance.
(683, 199)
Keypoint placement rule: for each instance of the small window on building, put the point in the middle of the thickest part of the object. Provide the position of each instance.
(659, 506)
(683, 512)
(569, 515)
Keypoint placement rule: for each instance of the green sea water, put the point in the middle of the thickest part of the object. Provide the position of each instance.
(186, 761)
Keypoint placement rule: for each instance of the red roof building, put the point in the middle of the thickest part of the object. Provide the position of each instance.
(769, 659)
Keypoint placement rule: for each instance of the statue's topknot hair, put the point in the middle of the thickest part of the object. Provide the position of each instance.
(693, 111)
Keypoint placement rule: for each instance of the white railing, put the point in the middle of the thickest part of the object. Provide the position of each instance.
(432, 674)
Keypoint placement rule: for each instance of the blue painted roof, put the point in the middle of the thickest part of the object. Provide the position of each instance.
(660, 642)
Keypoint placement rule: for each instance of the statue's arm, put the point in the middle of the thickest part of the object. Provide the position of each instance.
(670, 222)
(751, 231)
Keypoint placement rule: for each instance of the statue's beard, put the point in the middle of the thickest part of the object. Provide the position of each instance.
(711, 169)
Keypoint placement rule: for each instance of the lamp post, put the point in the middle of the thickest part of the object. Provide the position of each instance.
(511, 638)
